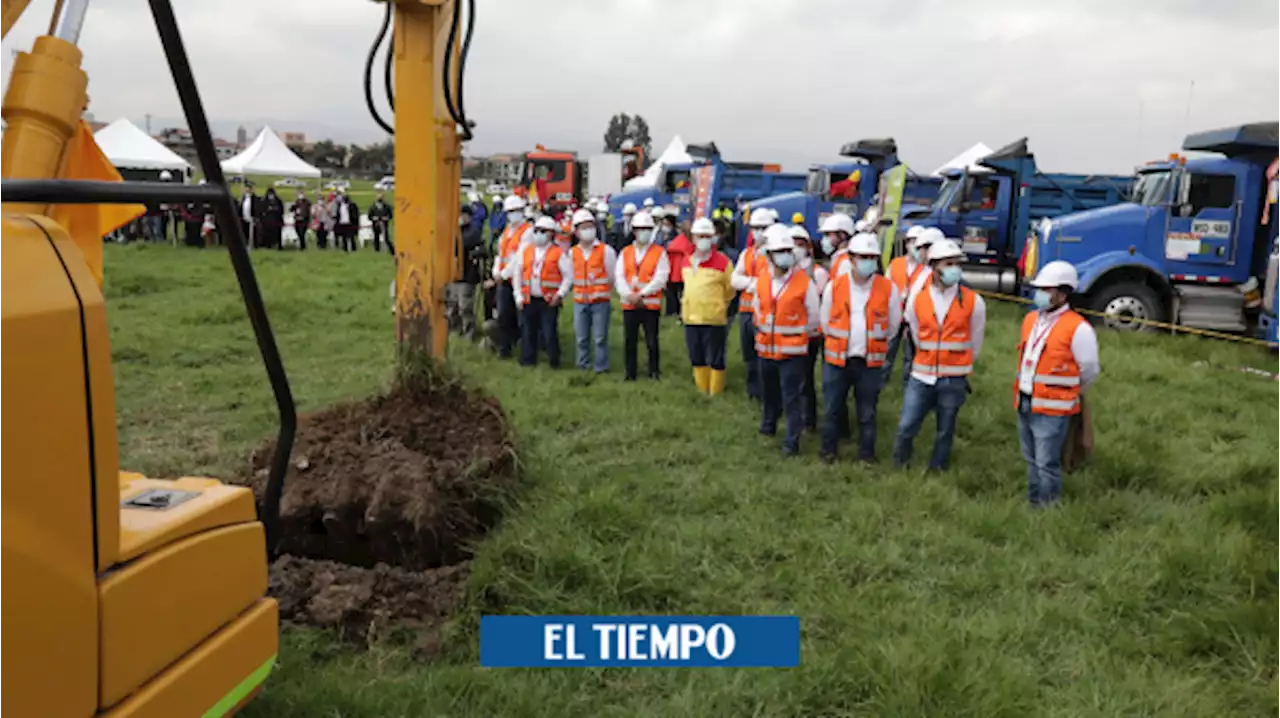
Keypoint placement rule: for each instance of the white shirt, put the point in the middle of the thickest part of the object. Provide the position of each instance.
(246, 208)
(942, 299)
(859, 293)
(922, 280)
(344, 212)
(812, 304)
(660, 273)
(515, 272)
(817, 273)
(740, 280)
(1084, 346)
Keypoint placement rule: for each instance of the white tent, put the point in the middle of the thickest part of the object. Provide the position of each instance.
(130, 148)
(674, 154)
(967, 160)
(268, 155)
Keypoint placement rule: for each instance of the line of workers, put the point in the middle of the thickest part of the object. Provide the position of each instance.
(795, 310)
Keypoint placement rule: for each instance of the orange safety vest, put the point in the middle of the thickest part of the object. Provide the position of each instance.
(1055, 388)
(550, 276)
(900, 278)
(638, 277)
(782, 321)
(945, 350)
(876, 316)
(509, 244)
(591, 283)
(839, 258)
(753, 264)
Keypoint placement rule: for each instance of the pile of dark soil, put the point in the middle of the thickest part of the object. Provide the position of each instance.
(381, 502)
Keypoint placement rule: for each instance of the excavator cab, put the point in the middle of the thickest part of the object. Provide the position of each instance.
(125, 595)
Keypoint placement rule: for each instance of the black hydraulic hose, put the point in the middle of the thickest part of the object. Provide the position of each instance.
(388, 85)
(198, 123)
(462, 68)
(446, 75)
(368, 72)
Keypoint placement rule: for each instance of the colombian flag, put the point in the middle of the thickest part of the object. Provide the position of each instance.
(88, 223)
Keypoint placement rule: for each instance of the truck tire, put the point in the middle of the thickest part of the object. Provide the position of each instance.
(1128, 300)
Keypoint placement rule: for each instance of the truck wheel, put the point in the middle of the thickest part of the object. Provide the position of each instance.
(1127, 301)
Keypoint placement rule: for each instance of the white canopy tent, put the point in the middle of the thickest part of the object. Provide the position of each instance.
(268, 155)
(130, 148)
(967, 160)
(674, 154)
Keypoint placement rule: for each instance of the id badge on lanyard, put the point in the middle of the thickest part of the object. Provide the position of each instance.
(1037, 340)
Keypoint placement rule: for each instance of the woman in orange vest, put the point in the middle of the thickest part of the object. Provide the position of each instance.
(509, 245)
(640, 277)
(786, 313)
(1057, 360)
(750, 265)
(594, 263)
(819, 276)
(904, 270)
(543, 276)
(705, 310)
(947, 323)
(860, 311)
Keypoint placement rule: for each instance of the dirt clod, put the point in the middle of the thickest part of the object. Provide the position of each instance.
(381, 503)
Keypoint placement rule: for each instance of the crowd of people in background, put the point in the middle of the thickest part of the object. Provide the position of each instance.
(801, 305)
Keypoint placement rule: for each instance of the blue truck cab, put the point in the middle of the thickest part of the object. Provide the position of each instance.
(1198, 238)
(991, 208)
(671, 189)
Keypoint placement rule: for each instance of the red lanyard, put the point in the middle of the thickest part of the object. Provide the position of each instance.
(1038, 338)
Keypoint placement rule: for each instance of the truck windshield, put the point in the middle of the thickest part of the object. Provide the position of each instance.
(816, 182)
(947, 189)
(1152, 188)
(675, 181)
(549, 170)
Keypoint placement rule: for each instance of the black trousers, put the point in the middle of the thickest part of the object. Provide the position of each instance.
(810, 394)
(674, 292)
(508, 321)
(540, 329)
(379, 232)
(192, 234)
(348, 236)
(706, 344)
(632, 321)
(322, 237)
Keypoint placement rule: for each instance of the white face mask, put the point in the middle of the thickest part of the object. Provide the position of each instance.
(643, 236)
(783, 260)
(703, 244)
(802, 253)
(540, 239)
(515, 216)
(587, 234)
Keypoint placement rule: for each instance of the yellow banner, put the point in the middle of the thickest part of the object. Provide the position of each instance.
(892, 183)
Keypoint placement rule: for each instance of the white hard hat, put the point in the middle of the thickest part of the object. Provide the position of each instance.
(914, 232)
(861, 225)
(165, 175)
(657, 212)
(629, 208)
(928, 236)
(642, 220)
(702, 225)
(473, 197)
(545, 222)
(838, 223)
(513, 203)
(943, 249)
(864, 243)
(1056, 274)
(762, 218)
(799, 232)
(648, 201)
(777, 238)
(582, 215)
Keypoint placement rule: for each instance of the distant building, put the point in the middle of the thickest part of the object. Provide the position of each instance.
(505, 168)
(179, 140)
(294, 139)
(242, 137)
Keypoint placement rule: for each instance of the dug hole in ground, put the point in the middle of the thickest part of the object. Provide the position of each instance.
(381, 502)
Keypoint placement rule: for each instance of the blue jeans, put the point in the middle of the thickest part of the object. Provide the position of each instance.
(540, 328)
(591, 327)
(946, 397)
(783, 384)
(747, 338)
(1041, 437)
(836, 383)
(903, 337)
(706, 344)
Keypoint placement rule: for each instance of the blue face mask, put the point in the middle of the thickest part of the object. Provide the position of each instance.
(1042, 299)
(783, 260)
(828, 247)
(950, 276)
(865, 267)
(915, 253)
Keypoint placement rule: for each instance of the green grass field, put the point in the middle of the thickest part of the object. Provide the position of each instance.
(1152, 591)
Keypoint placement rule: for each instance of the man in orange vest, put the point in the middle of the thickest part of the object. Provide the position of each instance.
(836, 230)
(904, 271)
(640, 277)
(594, 263)
(510, 244)
(948, 322)
(542, 275)
(860, 311)
(751, 264)
(786, 314)
(1057, 360)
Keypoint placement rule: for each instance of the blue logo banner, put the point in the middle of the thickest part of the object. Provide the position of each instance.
(657, 641)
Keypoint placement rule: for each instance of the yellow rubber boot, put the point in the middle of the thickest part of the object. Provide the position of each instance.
(717, 382)
(702, 378)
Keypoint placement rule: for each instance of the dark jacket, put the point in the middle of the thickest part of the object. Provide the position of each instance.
(379, 210)
(473, 253)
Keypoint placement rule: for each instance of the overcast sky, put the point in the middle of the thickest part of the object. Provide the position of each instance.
(1097, 85)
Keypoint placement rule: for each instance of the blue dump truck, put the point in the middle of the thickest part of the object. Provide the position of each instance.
(991, 208)
(1192, 247)
(850, 187)
(672, 187)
